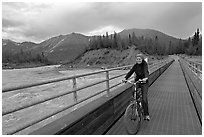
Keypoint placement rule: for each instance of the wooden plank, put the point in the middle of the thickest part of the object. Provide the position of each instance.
(85, 121)
(197, 100)
(125, 97)
(98, 122)
(92, 117)
(105, 126)
(121, 110)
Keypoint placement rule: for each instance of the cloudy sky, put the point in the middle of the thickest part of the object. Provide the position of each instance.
(39, 21)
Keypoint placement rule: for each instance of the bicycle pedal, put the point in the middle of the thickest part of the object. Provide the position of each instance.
(134, 118)
(147, 118)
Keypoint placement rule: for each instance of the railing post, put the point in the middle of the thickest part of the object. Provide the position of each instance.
(74, 88)
(200, 70)
(107, 83)
(194, 67)
(189, 64)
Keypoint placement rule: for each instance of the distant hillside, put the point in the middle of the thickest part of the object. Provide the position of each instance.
(14, 47)
(149, 33)
(108, 58)
(63, 48)
(66, 48)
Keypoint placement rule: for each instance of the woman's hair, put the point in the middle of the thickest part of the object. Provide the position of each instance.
(140, 55)
(143, 64)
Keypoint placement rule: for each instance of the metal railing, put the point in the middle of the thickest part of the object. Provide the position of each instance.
(196, 72)
(194, 83)
(195, 67)
(73, 91)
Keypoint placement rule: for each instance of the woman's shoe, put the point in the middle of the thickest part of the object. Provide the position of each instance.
(147, 118)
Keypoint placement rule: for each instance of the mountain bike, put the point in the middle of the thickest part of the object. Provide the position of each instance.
(134, 111)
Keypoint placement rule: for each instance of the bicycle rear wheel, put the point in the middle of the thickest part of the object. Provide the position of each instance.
(132, 119)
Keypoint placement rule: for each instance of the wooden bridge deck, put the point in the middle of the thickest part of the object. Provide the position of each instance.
(170, 105)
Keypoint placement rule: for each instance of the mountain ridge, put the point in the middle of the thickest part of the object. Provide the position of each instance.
(98, 35)
(65, 48)
(150, 33)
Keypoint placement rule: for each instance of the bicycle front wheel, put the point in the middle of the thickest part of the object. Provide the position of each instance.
(132, 119)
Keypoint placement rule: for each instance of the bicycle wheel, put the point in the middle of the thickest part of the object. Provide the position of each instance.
(132, 119)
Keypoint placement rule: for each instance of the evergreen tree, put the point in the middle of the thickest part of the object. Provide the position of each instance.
(119, 43)
(123, 43)
(106, 41)
(150, 47)
(170, 48)
(93, 43)
(115, 40)
(100, 43)
(156, 45)
(195, 38)
(199, 49)
(134, 39)
(130, 40)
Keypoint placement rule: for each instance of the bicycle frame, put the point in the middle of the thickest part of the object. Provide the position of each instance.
(134, 111)
(136, 88)
(137, 95)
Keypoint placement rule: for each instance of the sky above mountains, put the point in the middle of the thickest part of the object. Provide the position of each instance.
(37, 21)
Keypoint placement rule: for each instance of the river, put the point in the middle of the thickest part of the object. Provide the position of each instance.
(16, 77)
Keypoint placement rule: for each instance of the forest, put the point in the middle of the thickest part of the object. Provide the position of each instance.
(192, 46)
(25, 57)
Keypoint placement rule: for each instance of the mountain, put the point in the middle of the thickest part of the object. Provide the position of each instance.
(63, 48)
(14, 47)
(149, 33)
(108, 58)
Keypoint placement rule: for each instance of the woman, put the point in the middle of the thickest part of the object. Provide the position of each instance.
(141, 71)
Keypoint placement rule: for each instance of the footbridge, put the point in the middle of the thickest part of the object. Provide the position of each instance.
(175, 103)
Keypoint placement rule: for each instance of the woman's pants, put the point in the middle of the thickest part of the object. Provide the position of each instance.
(144, 88)
(144, 98)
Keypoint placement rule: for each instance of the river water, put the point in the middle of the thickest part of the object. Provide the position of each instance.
(17, 77)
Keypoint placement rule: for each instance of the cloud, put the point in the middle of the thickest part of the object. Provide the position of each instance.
(11, 23)
(180, 19)
(39, 21)
(102, 31)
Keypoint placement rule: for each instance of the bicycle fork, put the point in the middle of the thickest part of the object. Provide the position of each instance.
(135, 109)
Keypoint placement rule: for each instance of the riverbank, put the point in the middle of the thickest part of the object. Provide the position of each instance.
(22, 65)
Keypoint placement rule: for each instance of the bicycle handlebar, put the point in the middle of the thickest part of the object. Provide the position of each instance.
(134, 83)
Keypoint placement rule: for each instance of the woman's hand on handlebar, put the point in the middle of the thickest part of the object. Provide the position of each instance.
(144, 80)
(124, 80)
